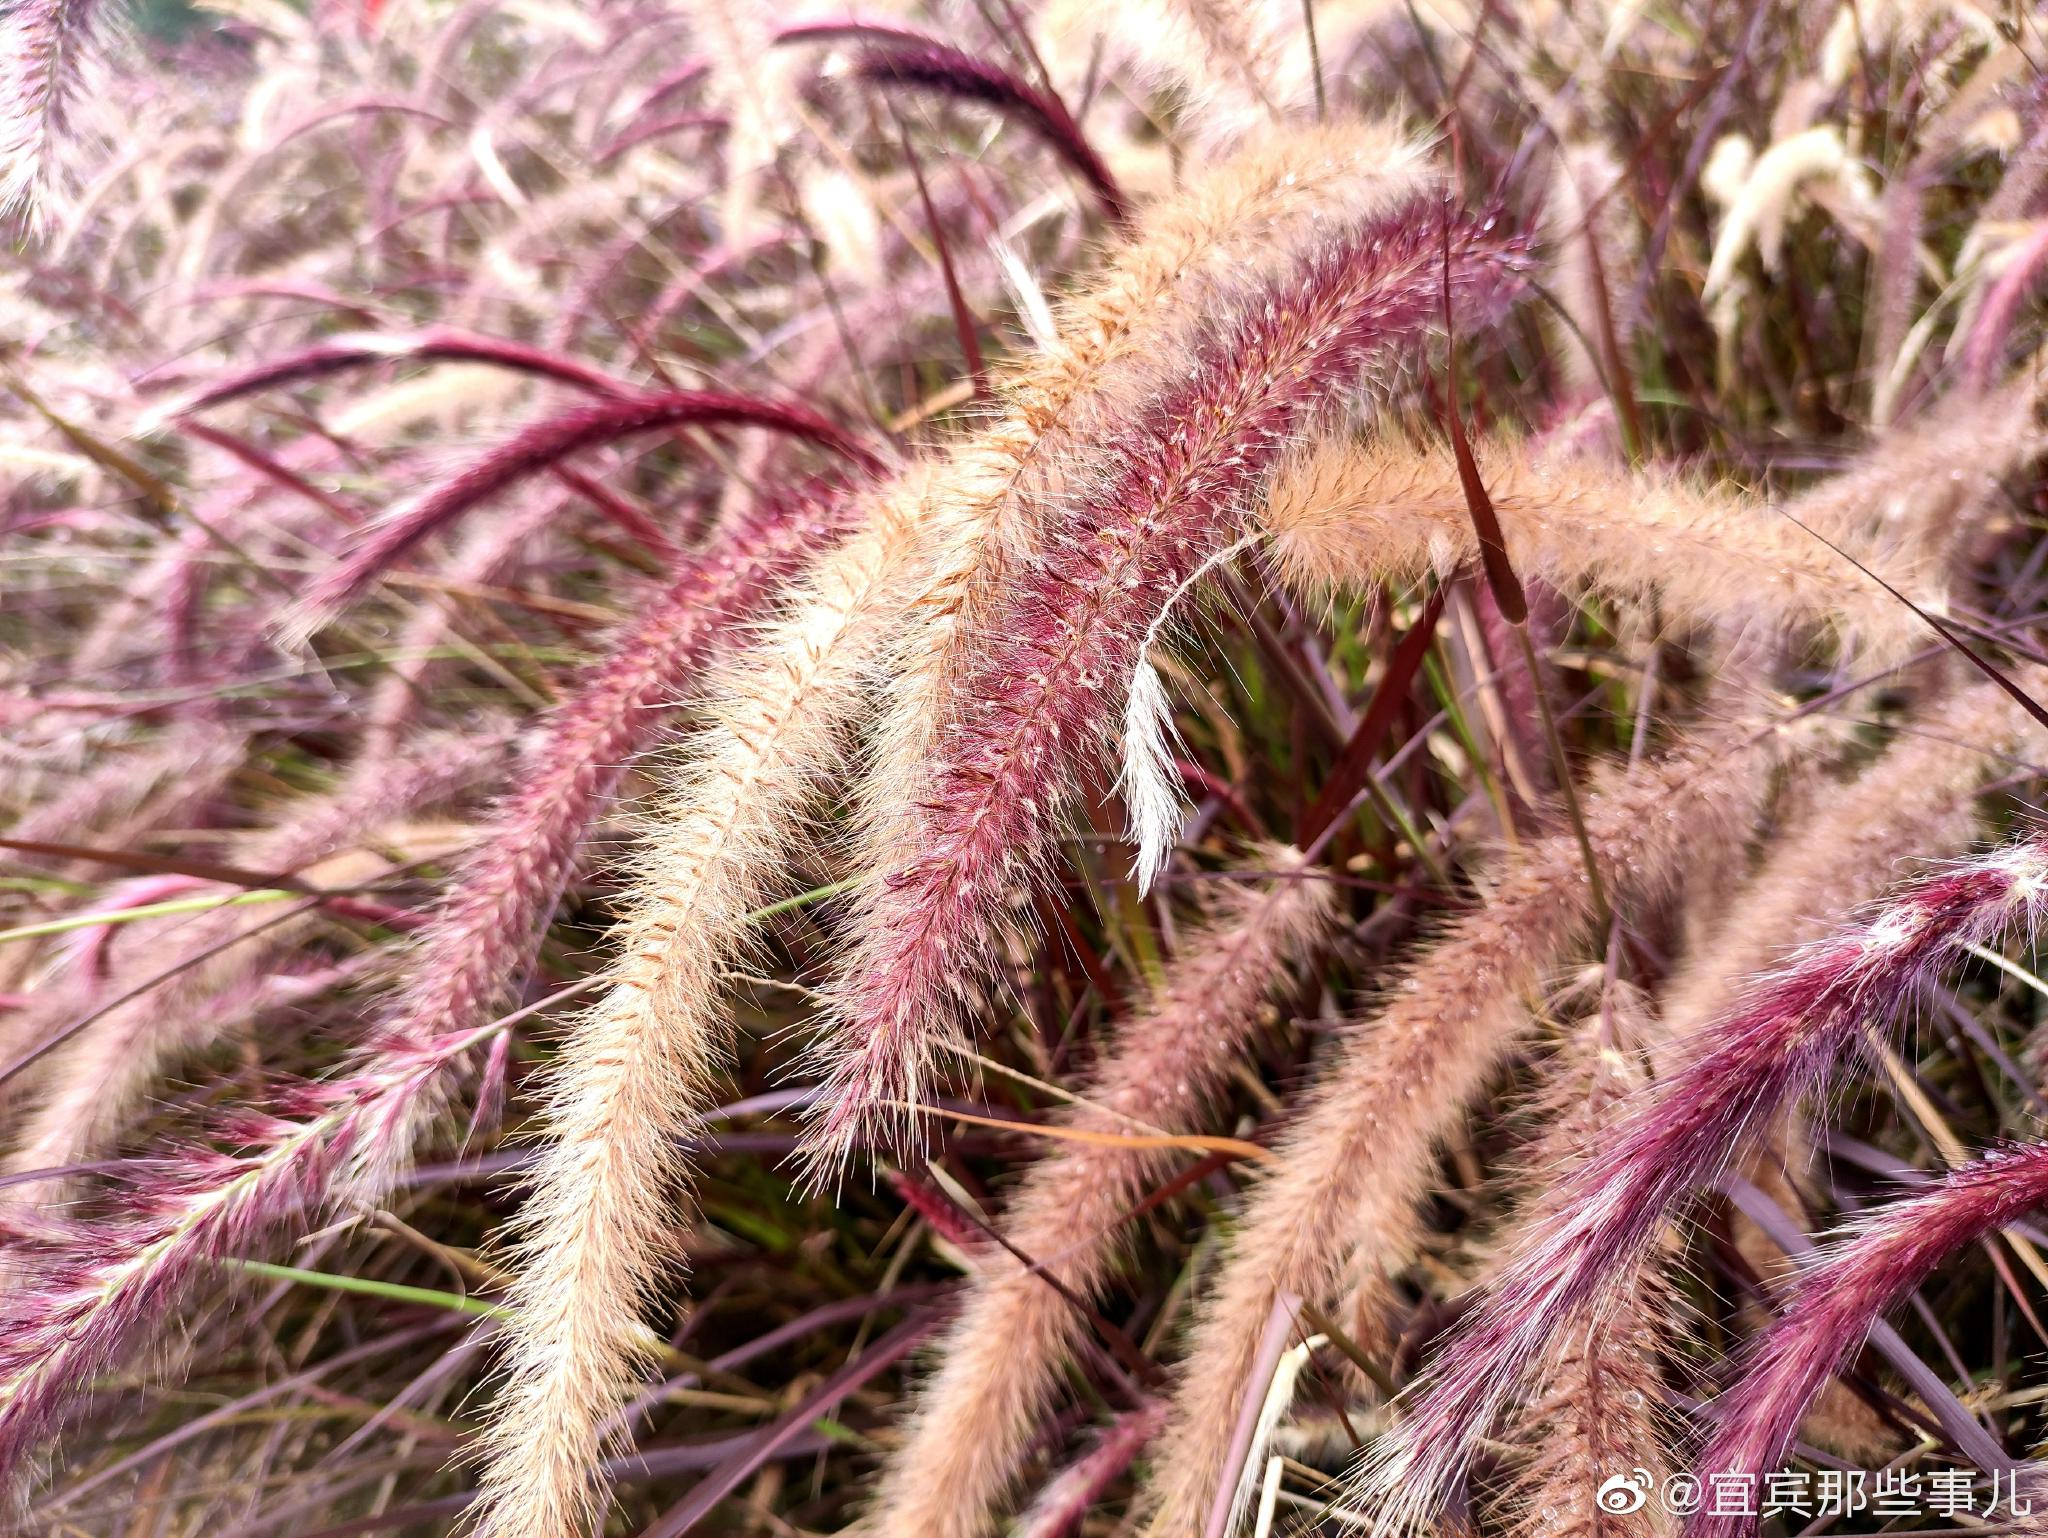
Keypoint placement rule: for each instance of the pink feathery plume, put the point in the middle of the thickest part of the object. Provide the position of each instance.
(1156, 498)
(435, 344)
(2001, 306)
(535, 448)
(92, 1292)
(51, 52)
(1601, 1216)
(1843, 1293)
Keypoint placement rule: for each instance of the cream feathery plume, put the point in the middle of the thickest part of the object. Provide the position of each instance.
(1241, 67)
(598, 1230)
(1347, 514)
(1354, 1162)
(999, 1363)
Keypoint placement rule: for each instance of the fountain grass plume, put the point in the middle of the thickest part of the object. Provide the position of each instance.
(1348, 512)
(597, 1231)
(500, 903)
(52, 60)
(1153, 500)
(1259, 210)
(1920, 794)
(96, 1080)
(1601, 1409)
(348, 1140)
(1595, 1222)
(980, 1411)
(340, 354)
(932, 66)
(1843, 1292)
(1354, 1162)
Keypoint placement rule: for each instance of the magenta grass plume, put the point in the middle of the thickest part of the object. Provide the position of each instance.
(1157, 500)
(52, 60)
(1596, 1220)
(928, 65)
(436, 344)
(546, 443)
(1844, 1291)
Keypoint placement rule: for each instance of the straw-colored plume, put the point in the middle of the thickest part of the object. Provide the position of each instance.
(598, 1231)
(1349, 1170)
(1000, 1363)
(1346, 514)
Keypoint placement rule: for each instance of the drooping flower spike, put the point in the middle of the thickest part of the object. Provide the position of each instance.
(1843, 1292)
(350, 1138)
(1784, 1036)
(1039, 700)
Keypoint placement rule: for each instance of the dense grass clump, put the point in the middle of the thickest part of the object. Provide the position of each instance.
(1031, 768)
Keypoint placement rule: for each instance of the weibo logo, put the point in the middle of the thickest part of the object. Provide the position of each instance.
(1621, 1494)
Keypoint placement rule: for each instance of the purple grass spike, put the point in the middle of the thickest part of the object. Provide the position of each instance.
(435, 344)
(930, 65)
(1159, 497)
(1845, 1291)
(1598, 1219)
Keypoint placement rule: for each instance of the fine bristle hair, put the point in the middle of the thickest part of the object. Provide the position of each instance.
(1601, 1410)
(1260, 208)
(774, 737)
(597, 1228)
